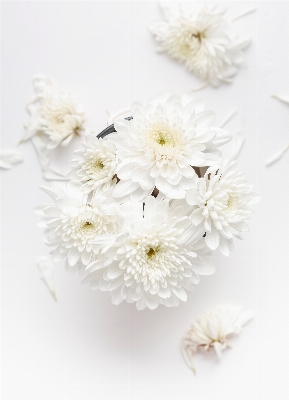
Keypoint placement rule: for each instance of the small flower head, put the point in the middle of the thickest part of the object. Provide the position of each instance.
(55, 114)
(95, 166)
(222, 200)
(202, 40)
(213, 330)
(74, 222)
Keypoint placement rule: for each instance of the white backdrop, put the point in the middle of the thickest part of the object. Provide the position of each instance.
(83, 347)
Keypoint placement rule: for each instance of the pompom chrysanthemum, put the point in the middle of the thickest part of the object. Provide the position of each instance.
(55, 114)
(160, 145)
(222, 200)
(95, 166)
(202, 39)
(155, 259)
(74, 221)
(213, 330)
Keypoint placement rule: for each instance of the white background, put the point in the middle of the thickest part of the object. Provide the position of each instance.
(83, 347)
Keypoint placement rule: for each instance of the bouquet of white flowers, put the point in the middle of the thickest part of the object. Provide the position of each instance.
(148, 200)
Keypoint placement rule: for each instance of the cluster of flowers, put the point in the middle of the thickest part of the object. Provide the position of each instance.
(146, 205)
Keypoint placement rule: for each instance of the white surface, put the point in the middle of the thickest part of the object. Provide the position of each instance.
(83, 347)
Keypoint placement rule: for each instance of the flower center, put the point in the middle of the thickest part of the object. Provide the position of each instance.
(163, 136)
(87, 225)
(198, 36)
(97, 165)
(152, 252)
(232, 203)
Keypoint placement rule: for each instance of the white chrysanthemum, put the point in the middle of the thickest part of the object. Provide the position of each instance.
(161, 144)
(156, 258)
(222, 200)
(213, 330)
(55, 114)
(95, 166)
(202, 39)
(74, 222)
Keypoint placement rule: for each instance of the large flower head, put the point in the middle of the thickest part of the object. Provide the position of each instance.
(155, 259)
(95, 166)
(222, 200)
(202, 39)
(55, 114)
(162, 143)
(74, 222)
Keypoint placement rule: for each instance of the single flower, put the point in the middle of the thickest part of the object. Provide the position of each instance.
(201, 39)
(222, 201)
(74, 221)
(95, 166)
(56, 115)
(160, 145)
(155, 259)
(213, 330)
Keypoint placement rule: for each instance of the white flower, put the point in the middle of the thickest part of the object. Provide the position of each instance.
(10, 157)
(202, 39)
(213, 330)
(222, 200)
(161, 144)
(55, 114)
(156, 258)
(95, 166)
(74, 221)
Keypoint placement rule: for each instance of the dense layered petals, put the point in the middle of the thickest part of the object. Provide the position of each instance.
(222, 202)
(95, 166)
(213, 330)
(201, 39)
(74, 221)
(162, 143)
(56, 115)
(155, 259)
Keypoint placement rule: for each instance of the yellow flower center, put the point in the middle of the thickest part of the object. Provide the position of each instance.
(98, 165)
(163, 136)
(152, 252)
(232, 202)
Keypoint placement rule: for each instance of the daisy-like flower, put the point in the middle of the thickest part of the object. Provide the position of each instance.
(222, 200)
(56, 115)
(95, 166)
(202, 39)
(213, 330)
(74, 221)
(161, 144)
(156, 258)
